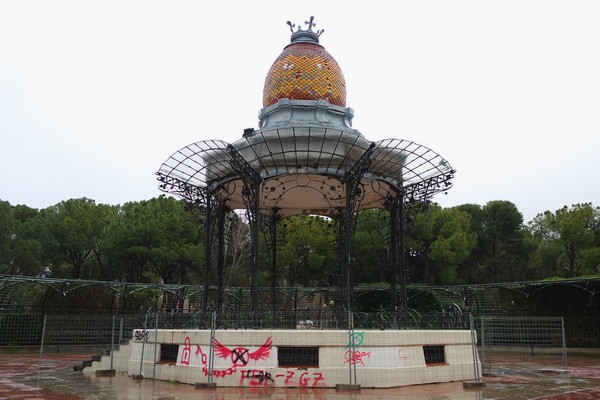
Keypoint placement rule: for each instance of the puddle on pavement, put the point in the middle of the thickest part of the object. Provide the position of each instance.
(25, 377)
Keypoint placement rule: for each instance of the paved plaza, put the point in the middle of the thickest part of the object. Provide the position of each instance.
(25, 376)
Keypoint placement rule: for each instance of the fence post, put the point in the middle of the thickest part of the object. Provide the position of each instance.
(350, 358)
(352, 349)
(474, 346)
(564, 344)
(112, 341)
(42, 342)
(145, 339)
(484, 360)
(155, 346)
(121, 327)
(211, 351)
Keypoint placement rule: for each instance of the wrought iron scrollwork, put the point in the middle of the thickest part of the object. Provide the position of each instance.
(190, 193)
(250, 193)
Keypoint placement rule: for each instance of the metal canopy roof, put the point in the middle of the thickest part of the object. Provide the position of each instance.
(302, 170)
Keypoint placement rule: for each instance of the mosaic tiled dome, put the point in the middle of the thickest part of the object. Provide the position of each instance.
(305, 71)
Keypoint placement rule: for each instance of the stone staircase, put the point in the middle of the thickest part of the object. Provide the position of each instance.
(100, 364)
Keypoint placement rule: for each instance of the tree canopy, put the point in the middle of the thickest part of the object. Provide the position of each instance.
(162, 240)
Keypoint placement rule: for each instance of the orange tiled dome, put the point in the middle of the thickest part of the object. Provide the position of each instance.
(305, 71)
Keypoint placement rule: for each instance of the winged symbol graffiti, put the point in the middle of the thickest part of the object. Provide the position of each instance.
(241, 355)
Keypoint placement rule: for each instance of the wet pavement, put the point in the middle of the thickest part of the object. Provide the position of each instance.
(25, 376)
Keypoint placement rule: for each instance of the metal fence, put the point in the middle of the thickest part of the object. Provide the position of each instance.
(501, 339)
(73, 333)
(20, 328)
(524, 340)
(62, 331)
(25, 300)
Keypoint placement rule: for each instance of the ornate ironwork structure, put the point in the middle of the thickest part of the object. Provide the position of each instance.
(306, 158)
(25, 301)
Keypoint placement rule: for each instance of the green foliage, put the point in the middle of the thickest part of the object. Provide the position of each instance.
(423, 301)
(576, 230)
(6, 232)
(237, 252)
(590, 260)
(22, 251)
(440, 241)
(159, 234)
(162, 240)
(372, 258)
(306, 255)
(500, 251)
(76, 227)
(373, 301)
(155, 240)
(36, 296)
(20, 322)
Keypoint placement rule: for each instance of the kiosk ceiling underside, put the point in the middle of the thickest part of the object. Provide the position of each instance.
(302, 170)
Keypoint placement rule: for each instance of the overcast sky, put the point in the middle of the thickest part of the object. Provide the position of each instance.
(96, 95)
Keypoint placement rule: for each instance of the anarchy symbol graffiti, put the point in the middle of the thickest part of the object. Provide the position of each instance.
(240, 354)
(355, 339)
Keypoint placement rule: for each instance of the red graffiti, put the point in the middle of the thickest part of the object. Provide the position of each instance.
(240, 356)
(356, 357)
(256, 377)
(305, 379)
(185, 355)
(317, 378)
(288, 378)
(220, 373)
(401, 355)
(201, 353)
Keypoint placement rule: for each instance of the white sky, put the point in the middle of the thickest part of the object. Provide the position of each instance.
(95, 95)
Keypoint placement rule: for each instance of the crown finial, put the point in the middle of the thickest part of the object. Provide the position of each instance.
(307, 35)
(292, 26)
(310, 23)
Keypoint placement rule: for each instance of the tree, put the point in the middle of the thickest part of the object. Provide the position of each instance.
(21, 241)
(161, 233)
(156, 240)
(127, 242)
(438, 243)
(502, 240)
(174, 249)
(501, 253)
(237, 251)
(372, 254)
(77, 226)
(306, 255)
(471, 270)
(28, 252)
(575, 229)
(6, 235)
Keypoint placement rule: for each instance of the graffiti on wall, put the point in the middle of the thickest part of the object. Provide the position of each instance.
(356, 357)
(355, 339)
(255, 377)
(253, 364)
(140, 335)
(227, 360)
(187, 351)
(402, 357)
(241, 356)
